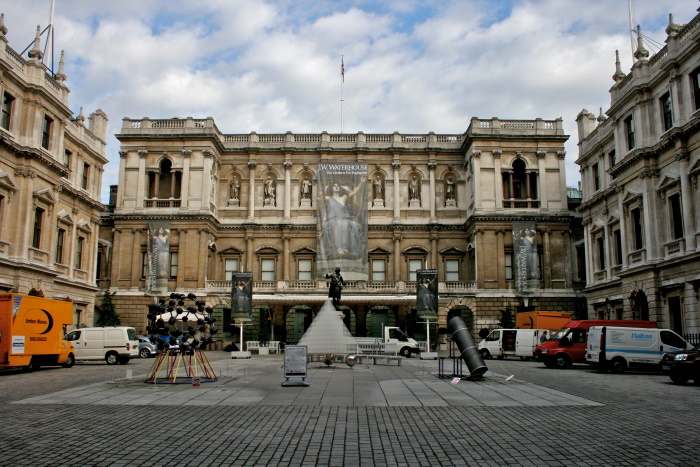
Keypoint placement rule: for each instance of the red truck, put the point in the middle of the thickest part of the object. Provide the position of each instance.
(568, 345)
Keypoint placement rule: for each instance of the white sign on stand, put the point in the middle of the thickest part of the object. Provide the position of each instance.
(295, 359)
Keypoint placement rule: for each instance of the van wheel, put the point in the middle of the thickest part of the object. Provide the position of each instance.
(405, 352)
(70, 361)
(618, 365)
(112, 358)
(679, 379)
(485, 354)
(561, 361)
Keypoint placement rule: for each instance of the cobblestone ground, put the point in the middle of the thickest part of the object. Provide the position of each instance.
(89, 415)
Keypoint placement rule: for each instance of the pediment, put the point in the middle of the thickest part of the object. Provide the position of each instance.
(44, 194)
(613, 220)
(379, 251)
(65, 218)
(84, 226)
(304, 251)
(667, 182)
(231, 251)
(695, 168)
(415, 250)
(7, 183)
(268, 249)
(454, 251)
(631, 196)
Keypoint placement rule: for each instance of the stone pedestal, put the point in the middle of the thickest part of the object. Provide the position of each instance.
(414, 203)
(269, 203)
(305, 203)
(451, 203)
(378, 203)
(234, 203)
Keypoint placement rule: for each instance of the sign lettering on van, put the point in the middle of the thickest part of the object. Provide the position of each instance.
(639, 335)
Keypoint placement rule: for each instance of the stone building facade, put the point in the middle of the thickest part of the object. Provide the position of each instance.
(50, 181)
(639, 167)
(248, 202)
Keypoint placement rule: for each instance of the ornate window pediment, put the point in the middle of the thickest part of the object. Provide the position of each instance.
(65, 218)
(668, 181)
(231, 251)
(453, 251)
(44, 195)
(631, 197)
(379, 251)
(613, 220)
(695, 169)
(268, 249)
(84, 226)
(304, 251)
(7, 183)
(415, 250)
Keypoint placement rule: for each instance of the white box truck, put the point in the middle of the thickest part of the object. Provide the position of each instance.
(619, 348)
(521, 343)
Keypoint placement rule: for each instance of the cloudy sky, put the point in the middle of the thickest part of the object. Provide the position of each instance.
(272, 66)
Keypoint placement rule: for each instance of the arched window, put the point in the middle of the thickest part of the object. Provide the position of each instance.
(519, 184)
(165, 183)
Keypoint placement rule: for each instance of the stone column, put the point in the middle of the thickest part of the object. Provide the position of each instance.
(608, 256)
(287, 190)
(397, 256)
(652, 243)
(479, 241)
(122, 178)
(136, 258)
(185, 186)
(207, 164)
(547, 258)
(686, 202)
(590, 278)
(477, 180)
(432, 200)
(286, 267)
(202, 248)
(181, 257)
(498, 179)
(249, 251)
(141, 182)
(115, 273)
(397, 195)
(251, 190)
(542, 180)
(501, 258)
(433, 249)
(623, 224)
(568, 259)
(561, 157)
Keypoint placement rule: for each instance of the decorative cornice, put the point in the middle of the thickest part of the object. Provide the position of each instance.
(396, 165)
(432, 165)
(541, 154)
(186, 152)
(143, 152)
(252, 165)
(497, 153)
(208, 153)
(561, 154)
(26, 172)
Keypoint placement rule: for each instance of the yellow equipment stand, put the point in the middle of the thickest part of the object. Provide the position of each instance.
(168, 362)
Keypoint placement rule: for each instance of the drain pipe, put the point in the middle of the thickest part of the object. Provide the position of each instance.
(470, 354)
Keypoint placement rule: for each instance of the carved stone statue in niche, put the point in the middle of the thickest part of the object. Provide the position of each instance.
(378, 192)
(414, 192)
(305, 192)
(235, 188)
(450, 192)
(269, 191)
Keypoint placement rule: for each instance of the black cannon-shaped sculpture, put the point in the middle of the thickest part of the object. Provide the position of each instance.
(468, 351)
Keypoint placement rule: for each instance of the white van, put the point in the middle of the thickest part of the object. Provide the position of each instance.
(616, 349)
(512, 343)
(114, 344)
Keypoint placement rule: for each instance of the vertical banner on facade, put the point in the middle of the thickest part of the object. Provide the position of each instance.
(527, 263)
(427, 293)
(158, 256)
(241, 296)
(342, 219)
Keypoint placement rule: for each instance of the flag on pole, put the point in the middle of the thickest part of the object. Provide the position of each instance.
(342, 68)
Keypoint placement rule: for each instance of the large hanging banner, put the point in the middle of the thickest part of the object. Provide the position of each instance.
(241, 296)
(342, 219)
(527, 262)
(427, 293)
(158, 256)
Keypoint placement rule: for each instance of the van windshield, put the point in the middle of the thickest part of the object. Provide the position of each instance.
(558, 335)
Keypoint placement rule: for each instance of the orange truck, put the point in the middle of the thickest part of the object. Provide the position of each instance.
(552, 320)
(31, 332)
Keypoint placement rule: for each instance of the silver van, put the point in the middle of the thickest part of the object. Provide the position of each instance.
(113, 344)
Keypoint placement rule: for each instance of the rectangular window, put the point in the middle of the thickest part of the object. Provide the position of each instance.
(38, 220)
(637, 229)
(617, 237)
(612, 158)
(629, 131)
(79, 253)
(695, 85)
(304, 271)
(66, 158)
(509, 266)
(666, 111)
(581, 262)
(600, 242)
(596, 177)
(46, 132)
(452, 270)
(413, 266)
(7, 101)
(676, 216)
(144, 265)
(378, 269)
(268, 269)
(59, 245)
(230, 266)
(86, 175)
(173, 265)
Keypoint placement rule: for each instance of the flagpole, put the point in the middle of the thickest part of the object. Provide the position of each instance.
(342, 84)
